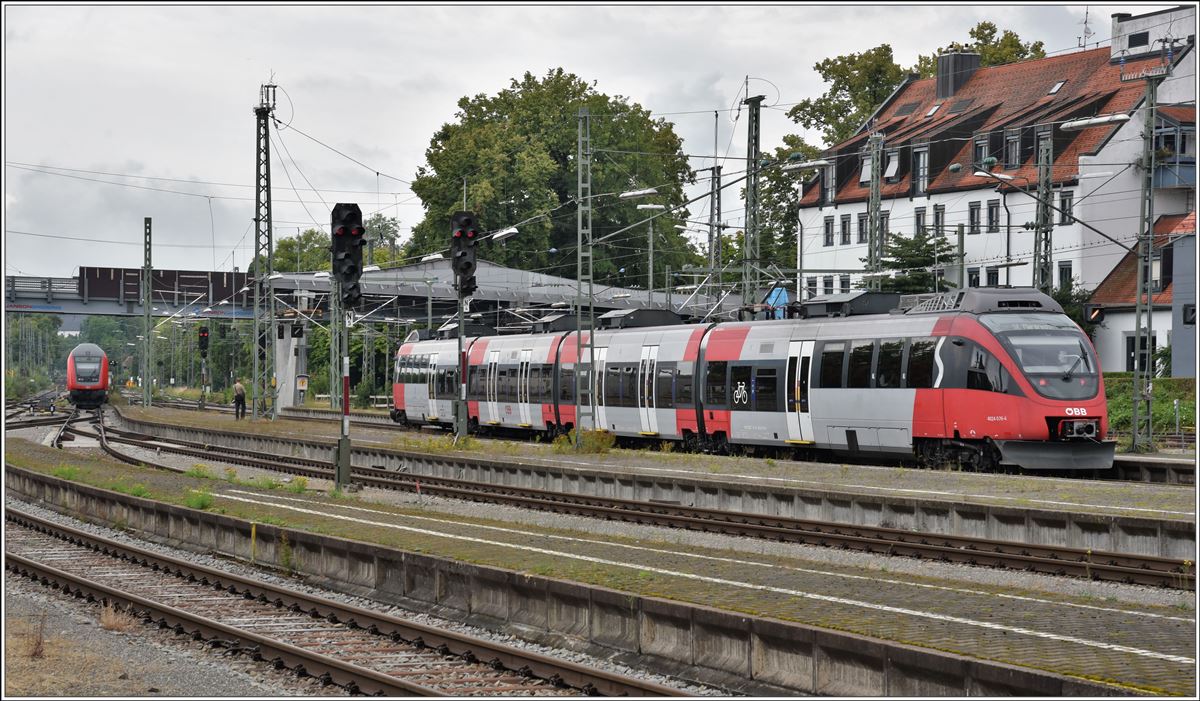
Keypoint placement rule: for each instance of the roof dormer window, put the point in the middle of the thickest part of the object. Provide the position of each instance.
(1057, 87)
(865, 175)
(933, 109)
(893, 164)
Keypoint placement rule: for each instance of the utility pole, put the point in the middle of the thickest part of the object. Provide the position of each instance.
(751, 250)
(1043, 272)
(584, 326)
(335, 341)
(1143, 345)
(147, 305)
(263, 386)
(714, 202)
(875, 237)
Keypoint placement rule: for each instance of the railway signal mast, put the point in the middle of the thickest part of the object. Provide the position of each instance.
(202, 342)
(464, 234)
(346, 232)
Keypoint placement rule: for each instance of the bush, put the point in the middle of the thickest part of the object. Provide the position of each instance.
(593, 442)
(1118, 390)
(298, 485)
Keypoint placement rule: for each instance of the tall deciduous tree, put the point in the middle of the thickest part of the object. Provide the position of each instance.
(513, 154)
(779, 203)
(995, 48)
(858, 83)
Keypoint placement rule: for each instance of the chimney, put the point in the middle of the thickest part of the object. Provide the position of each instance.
(953, 71)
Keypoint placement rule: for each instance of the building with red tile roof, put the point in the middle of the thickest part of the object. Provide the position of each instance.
(960, 153)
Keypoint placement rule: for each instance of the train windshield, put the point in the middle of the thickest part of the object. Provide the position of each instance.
(87, 369)
(1051, 351)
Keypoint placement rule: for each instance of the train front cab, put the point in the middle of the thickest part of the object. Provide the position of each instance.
(87, 376)
(1045, 407)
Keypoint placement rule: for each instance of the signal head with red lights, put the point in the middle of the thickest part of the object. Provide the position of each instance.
(347, 242)
(464, 233)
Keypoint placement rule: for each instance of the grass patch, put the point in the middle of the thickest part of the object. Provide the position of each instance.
(200, 470)
(113, 618)
(297, 485)
(67, 472)
(199, 499)
(134, 490)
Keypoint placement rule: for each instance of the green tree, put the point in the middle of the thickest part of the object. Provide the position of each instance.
(515, 152)
(1072, 298)
(779, 203)
(995, 48)
(912, 260)
(383, 233)
(858, 84)
(307, 251)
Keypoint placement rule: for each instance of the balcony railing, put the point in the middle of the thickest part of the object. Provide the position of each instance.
(1175, 171)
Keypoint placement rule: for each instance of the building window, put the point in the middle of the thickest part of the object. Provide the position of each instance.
(993, 276)
(1066, 201)
(1156, 278)
(864, 176)
(919, 220)
(845, 283)
(920, 172)
(939, 218)
(1139, 39)
(845, 229)
(933, 110)
(1057, 86)
(973, 218)
(812, 287)
(981, 153)
(862, 228)
(830, 183)
(993, 216)
(893, 164)
(1064, 274)
(828, 231)
(1012, 151)
(828, 284)
(883, 226)
(972, 277)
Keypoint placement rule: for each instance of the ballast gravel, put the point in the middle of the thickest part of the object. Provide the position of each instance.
(424, 619)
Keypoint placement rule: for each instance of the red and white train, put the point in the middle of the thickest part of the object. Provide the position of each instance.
(87, 376)
(982, 377)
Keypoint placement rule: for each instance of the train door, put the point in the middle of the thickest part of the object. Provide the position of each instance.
(800, 428)
(490, 382)
(431, 379)
(601, 406)
(646, 403)
(523, 388)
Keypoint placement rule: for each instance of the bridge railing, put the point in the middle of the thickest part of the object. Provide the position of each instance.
(48, 287)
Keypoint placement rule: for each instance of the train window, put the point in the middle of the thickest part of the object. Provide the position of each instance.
(766, 389)
(714, 383)
(629, 386)
(535, 383)
(888, 368)
(664, 389)
(804, 383)
(859, 372)
(833, 356)
(791, 384)
(612, 385)
(683, 385)
(740, 389)
(566, 384)
(986, 373)
(920, 363)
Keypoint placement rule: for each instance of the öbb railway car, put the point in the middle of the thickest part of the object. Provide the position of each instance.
(982, 377)
(87, 376)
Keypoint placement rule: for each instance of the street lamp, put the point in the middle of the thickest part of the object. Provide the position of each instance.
(505, 234)
(637, 193)
(431, 257)
(1078, 124)
(806, 164)
(650, 250)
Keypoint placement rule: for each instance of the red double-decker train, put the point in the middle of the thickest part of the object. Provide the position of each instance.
(87, 376)
(984, 378)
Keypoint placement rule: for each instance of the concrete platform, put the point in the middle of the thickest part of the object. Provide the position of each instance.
(758, 624)
(1145, 519)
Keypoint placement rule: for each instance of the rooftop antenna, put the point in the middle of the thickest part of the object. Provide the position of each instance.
(1087, 30)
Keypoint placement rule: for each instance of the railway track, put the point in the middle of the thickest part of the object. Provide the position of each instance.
(1117, 567)
(358, 649)
(1127, 468)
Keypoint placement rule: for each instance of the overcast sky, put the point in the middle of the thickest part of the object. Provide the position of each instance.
(160, 99)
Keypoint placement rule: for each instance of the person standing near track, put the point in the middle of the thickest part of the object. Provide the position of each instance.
(239, 401)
